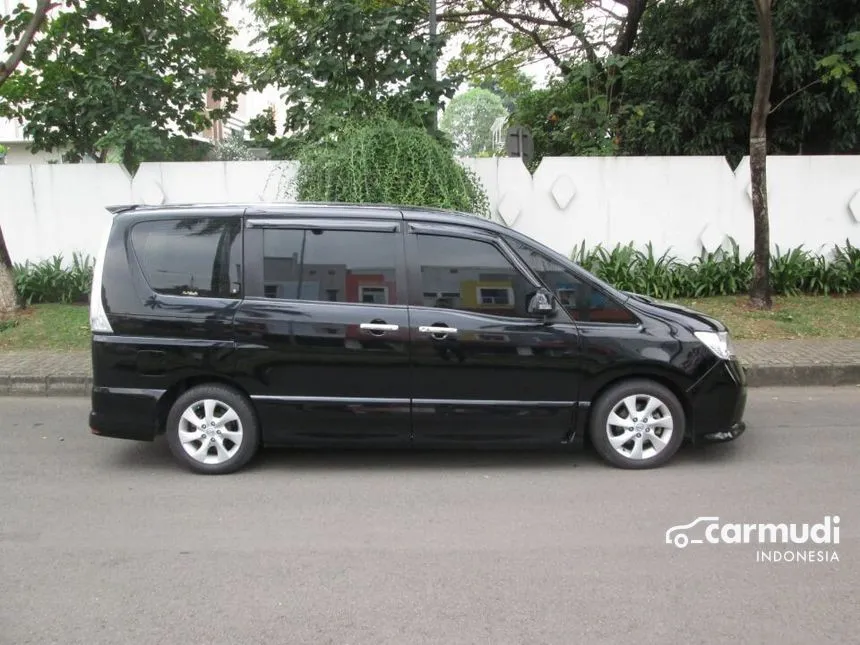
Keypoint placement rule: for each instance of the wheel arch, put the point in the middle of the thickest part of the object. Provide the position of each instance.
(674, 382)
(166, 401)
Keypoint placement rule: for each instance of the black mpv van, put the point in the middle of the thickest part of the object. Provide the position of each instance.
(227, 327)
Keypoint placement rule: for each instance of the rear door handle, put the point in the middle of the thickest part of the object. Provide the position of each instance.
(437, 330)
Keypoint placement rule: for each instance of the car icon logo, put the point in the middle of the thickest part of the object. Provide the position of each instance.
(679, 535)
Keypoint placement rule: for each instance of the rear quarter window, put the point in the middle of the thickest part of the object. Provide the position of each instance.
(196, 257)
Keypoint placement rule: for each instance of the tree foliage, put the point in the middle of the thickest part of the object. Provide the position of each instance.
(383, 161)
(694, 72)
(468, 119)
(687, 86)
(501, 36)
(20, 28)
(124, 75)
(263, 127)
(842, 66)
(578, 114)
(344, 59)
(233, 148)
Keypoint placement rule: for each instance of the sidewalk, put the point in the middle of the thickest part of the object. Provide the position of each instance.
(778, 362)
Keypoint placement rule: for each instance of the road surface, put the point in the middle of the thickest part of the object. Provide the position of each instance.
(108, 541)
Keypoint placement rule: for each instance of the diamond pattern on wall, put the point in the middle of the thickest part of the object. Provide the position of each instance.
(563, 191)
(711, 237)
(854, 207)
(509, 209)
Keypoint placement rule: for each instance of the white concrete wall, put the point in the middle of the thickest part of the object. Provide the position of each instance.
(681, 204)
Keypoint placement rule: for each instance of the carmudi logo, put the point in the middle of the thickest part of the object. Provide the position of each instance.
(709, 530)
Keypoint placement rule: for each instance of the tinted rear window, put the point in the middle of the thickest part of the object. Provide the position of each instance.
(191, 257)
(333, 266)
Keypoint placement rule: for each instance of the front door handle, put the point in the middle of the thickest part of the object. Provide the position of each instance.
(379, 328)
(438, 332)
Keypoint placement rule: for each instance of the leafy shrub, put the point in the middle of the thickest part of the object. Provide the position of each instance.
(50, 281)
(7, 323)
(382, 161)
(722, 272)
(233, 148)
(846, 266)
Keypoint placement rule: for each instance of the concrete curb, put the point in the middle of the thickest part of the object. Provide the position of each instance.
(12, 385)
(757, 376)
(812, 375)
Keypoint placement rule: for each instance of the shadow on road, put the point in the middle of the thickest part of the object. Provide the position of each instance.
(157, 456)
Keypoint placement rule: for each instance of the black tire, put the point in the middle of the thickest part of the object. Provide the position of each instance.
(614, 396)
(248, 445)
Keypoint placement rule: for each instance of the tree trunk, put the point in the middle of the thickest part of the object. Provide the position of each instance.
(630, 29)
(8, 293)
(760, 294)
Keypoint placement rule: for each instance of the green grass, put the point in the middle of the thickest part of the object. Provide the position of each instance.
(66, 327)
(52, 327)
(792, 317)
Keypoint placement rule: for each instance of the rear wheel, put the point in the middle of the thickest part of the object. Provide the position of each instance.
(637, 424)
(212, 429)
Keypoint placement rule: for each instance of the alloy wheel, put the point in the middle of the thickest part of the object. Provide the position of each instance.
(210, 431)
(639, 427)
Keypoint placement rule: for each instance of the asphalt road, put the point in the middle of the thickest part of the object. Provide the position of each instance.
(107, 541)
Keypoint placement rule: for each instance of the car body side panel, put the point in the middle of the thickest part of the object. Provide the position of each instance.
(159, 341)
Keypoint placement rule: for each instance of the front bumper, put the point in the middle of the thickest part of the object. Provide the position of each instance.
(727, 435)
(718, 402)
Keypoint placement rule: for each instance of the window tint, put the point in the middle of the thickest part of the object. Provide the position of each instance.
(581, 300)
(191, 256)
(471, 275)
(330, 266)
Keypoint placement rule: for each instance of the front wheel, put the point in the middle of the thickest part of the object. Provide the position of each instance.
(212, 429)
(637, 424)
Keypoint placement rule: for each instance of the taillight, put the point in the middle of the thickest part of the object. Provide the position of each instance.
(99, 322)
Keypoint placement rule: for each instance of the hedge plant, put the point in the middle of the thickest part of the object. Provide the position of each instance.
(383, 161)
(722, 272)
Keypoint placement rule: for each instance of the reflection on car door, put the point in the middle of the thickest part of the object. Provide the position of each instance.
(483, 369)
(323, 332)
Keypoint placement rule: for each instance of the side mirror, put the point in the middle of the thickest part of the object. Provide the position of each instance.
(542, 303)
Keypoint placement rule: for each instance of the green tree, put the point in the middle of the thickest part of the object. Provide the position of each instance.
(342, 59)
(233, 148)
(263, 127)
(842, 66)
(760, 295)
(384, 161)
(20, 28)
(124, 75)
(508, 88)
(693, 95)
(697, 91)
(503, 35)
(578, 114)
(468, 119)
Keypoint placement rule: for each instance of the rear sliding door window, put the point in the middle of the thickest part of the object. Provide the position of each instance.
(191, 256)
(330, 266)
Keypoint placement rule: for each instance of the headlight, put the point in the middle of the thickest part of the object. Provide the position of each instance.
(718, 342)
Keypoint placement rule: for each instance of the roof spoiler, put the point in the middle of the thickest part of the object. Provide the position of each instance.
(121, 208)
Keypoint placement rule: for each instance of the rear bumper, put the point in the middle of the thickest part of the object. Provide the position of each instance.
(125, 413)
(718, 402)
